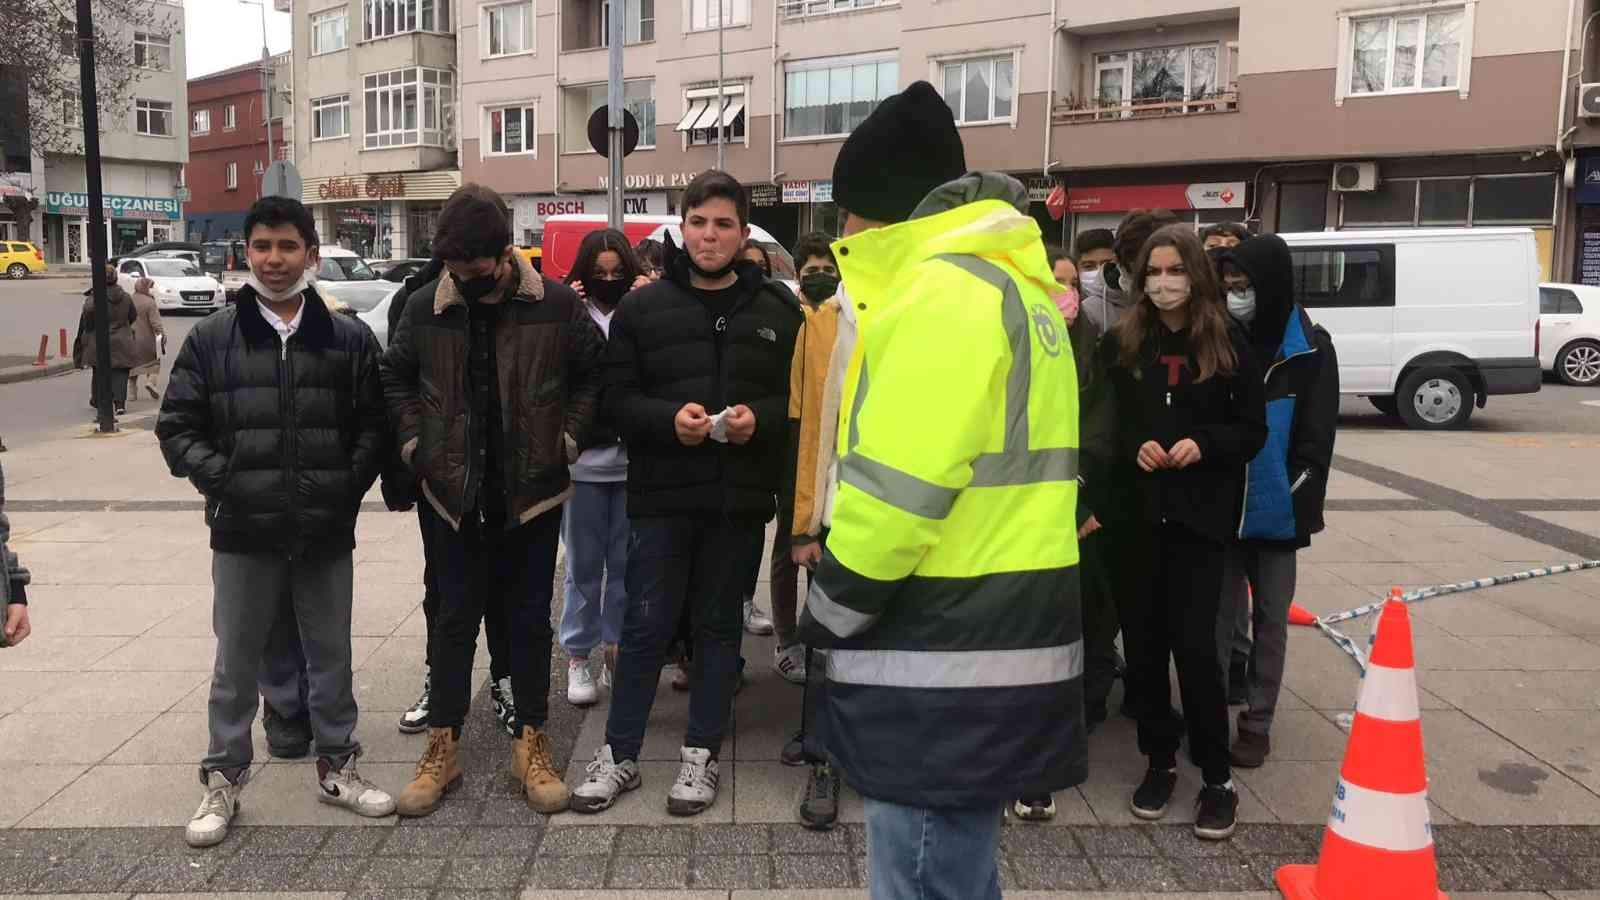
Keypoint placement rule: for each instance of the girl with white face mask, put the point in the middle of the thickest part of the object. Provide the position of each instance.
(1189, 414)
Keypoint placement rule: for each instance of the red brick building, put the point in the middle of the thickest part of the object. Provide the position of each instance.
(228, 149)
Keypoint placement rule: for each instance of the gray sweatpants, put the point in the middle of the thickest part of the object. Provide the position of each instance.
(248, 597)
(1270, 576)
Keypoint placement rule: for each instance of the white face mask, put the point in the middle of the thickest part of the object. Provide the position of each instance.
(1090, 283)
(267, 293)
(1167, 292)
(1242, 304)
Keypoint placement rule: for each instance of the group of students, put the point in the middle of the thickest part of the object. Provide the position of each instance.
(979, 516)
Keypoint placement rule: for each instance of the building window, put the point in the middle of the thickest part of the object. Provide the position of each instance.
(980, 90)
(153, 117)
(640, 27)
(72, 110)
(1161, 77)
(408, 107)
(233, 176)
(202, 122)
(152, 51)
(328, 31)
(508, 28)
(1465, 200)
(578, 103)
(795, 9)
(422, 223)
(829, 97)
(230, 117)
(1408, 52)
(703, 13)
(703, 111)
(511, 130)
(330, 117)
(384, 18)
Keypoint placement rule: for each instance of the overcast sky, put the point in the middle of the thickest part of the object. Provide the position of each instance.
(221, 34)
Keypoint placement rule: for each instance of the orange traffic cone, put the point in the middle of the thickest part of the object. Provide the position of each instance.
(1299, 615)
(1378, 844)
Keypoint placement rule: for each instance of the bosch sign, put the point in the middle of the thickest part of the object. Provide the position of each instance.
(547, 208)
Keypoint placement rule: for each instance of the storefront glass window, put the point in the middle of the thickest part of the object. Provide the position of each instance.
(1444, 201)
(1393, 203)
(1302, 206)
(355, 228)
(1518, 200)
(422, 221)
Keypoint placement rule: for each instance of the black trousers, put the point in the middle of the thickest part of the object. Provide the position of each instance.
(494, 611)
(1170, 581)
(1099, 621)
(116, 383)
(473, 568)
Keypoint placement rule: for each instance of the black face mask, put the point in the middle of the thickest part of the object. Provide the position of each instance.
(709, 273)
(476, 288)
(603, 293)
(819, 286)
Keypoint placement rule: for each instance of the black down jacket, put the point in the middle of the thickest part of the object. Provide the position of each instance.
(666, 350)
(281, 439)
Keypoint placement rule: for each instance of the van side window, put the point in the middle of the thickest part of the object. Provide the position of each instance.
(1344, 276)
(1559, 301)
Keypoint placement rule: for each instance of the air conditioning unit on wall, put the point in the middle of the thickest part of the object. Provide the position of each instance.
(1589, 101)
(1360, 176)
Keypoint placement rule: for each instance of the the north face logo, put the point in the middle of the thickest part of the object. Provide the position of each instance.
(768, 334)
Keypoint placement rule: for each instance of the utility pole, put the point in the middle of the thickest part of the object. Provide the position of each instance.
(97, 219)
(616, 32)
(266, 77)
(722, 102)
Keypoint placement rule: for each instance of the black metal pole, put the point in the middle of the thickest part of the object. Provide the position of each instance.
(97, 218)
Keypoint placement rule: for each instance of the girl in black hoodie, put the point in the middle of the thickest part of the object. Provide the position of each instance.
(1189, 413)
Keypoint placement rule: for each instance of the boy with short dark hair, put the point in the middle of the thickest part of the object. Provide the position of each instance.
(275, 412)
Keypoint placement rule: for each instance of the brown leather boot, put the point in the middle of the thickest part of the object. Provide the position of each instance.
(540, 781)
(438, 773)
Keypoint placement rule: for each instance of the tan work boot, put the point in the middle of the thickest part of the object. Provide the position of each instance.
(537, 767)
(438, 774)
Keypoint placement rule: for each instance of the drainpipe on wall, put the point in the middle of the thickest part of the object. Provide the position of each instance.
(1050, 85)
(1558, 236)
(555, 79)
(772, 116)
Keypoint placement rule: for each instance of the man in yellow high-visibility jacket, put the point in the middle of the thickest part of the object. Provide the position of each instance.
(946, 598)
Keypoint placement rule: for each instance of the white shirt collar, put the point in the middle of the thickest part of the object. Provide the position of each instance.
(284, 329)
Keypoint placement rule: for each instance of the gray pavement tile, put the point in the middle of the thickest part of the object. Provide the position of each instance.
(278, 873)
(1559, 840)
(1464, 873)
(731, 872)
(1051, 873)
(73, 737)
(857, 832)
(734, 840)
(173, 874)
(1122, 873)
(1219, 874)
(355, 841)
(1038, 840)
(1290, 840)
(285, 793)
(1265, 867)
(453, 894)
(40, 842)
(30, 787)
(331, 873)
(249, 895)
(587, 840)
(653, 872)
(791, 838)
(509, 811)
(143, 842)
(441, 841)
(283, 841)
(367, 892)
(568, 872)
(790, 871)
(1116, 841)
(485, 873)
(1475, 840)
(638, 840)
(1531, 873)
(417, 871)
(1179, 843)
(500, 841)
(47, 653)
(770, 792)
(68, 875)
(456, 811)
(1586, 868)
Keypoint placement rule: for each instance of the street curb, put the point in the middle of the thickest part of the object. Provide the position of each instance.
(29, 373)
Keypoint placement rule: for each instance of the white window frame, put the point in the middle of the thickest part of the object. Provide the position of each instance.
(231, 176)
(318, 104)
(72, 110)
(486, 27)
(388, 91)
(396, 17)
(151, 108)
(647, 134)
(149, 41)
(736, 95)
(1346, 25)
(201, 122)
(338, 14)
(1125, 65)
(635, 25)
(826, 63)
(808, 9)
(698, 15)
(230, 117)
(528, 109)
(938, 64)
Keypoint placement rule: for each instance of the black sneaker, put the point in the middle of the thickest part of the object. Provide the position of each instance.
(794, 752)
(1154, 793)
(286, 738)
(819, 808)
(1215, 811)
(415, 719)
(1035, 809)
(505, 705)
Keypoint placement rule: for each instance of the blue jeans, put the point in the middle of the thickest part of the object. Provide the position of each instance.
(933, 854)
(595, 532)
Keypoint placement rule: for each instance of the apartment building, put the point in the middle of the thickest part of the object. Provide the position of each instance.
(228, 146)
(143, 148)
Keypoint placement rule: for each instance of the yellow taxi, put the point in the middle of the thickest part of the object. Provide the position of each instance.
(19, 259)
(534, 256)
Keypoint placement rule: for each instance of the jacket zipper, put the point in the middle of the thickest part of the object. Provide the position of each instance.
(1304, 474)
(719, 389)
(466, 480)
(286, 411)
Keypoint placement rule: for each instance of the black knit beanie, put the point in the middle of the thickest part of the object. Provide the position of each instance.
(902, 151)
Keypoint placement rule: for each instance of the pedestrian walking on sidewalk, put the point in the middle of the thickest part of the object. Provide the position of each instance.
(697, 384)
(120, 316)
(14, 580)
(946, 596)
(1284, 484)
(149, 340)
(492, 380)
(274, 411)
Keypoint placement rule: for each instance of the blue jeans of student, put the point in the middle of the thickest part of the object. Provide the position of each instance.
(933, 854)
(595, 530)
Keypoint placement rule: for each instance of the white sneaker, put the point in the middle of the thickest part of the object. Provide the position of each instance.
(209, 824)
(581, 689)
(696, 787)
(345, 787)
(607, 781)
(756, 621)
(790, 662)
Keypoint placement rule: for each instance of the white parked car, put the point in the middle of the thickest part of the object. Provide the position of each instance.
(1569, 325)
(346, 277)
(179, 283)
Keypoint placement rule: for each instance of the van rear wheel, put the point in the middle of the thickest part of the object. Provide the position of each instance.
(1436, 398)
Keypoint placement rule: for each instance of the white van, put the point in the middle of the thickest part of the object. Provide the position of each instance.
(1427, 321)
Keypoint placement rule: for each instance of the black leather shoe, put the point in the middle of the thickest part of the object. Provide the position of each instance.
(286, 738)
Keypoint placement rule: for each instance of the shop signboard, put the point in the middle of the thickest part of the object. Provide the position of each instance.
(797, 192)
(1589, 257)
(117, 206)
(1203, 195)
(764, 195)
(822, 192)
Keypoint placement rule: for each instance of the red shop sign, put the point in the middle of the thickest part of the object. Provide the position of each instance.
(1205, 195)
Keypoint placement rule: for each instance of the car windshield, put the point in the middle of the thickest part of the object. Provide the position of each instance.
(344, 268)
(170, 268)
(215, 255)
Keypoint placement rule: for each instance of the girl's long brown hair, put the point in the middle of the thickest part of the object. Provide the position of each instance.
(1209, 343)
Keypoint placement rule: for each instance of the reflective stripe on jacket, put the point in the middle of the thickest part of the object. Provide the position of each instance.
(947, 595)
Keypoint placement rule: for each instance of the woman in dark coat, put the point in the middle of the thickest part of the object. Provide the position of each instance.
(124, 352)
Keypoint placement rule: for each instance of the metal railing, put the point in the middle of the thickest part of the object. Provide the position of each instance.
(1073, 111)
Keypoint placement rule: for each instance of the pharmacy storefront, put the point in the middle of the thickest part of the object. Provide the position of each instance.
(130, 222)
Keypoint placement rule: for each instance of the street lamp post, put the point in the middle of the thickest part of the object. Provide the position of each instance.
(266, 79)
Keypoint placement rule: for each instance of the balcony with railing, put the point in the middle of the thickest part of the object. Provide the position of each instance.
(1070, 111)
(1149, 69)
